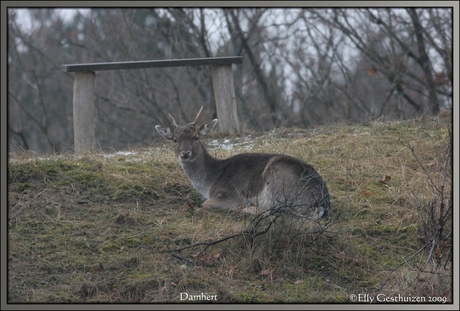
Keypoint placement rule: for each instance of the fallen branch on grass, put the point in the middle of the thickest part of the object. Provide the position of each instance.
(179, 256)
(251, 233)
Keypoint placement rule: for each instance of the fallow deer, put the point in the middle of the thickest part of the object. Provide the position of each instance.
(251, 182)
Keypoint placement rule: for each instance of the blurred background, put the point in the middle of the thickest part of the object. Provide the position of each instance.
(301, 67)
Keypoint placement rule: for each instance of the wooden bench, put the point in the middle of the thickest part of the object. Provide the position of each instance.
(83, 93)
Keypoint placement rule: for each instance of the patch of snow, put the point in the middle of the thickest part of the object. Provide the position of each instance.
(224, 145)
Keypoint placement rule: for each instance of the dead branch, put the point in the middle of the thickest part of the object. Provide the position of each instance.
(252, 233)
(179, 256)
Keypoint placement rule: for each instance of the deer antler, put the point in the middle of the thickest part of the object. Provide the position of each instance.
(194, 122)
(174, 121)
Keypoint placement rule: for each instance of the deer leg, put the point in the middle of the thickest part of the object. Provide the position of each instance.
(223, 205)
(254, 210)
(222, 202)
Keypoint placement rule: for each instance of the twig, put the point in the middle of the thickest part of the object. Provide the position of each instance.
(402, 263)
(179, 256)
(252, 233)
(200, 244)
(411, 148)
(431, 218)
(256, 223)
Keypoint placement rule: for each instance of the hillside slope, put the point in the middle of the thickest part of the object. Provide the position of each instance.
(127, 226)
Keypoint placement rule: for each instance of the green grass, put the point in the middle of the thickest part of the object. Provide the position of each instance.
(98, 228)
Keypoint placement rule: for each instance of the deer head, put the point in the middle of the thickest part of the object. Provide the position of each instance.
(187, 138)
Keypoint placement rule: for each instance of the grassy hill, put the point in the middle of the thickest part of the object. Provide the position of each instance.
(128, 227)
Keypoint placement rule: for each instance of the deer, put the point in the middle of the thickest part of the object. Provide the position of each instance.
(247, 182)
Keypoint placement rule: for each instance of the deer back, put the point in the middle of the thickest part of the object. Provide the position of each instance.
(266, 180)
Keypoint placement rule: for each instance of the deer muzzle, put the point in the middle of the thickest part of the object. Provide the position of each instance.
(185, 155)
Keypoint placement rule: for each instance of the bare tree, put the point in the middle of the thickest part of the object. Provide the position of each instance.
(301, 66)
(396, 49)
(37, 110)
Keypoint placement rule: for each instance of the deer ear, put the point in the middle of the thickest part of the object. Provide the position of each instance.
(164, 131)
(207, 127)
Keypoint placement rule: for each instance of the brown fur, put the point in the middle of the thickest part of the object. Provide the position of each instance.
(251, 182)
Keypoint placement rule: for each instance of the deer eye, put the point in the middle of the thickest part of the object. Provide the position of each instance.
(197, 138)
(174, 140)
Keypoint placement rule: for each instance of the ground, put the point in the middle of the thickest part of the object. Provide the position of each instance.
(127, 226)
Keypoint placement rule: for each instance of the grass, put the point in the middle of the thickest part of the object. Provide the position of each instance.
(103, 227)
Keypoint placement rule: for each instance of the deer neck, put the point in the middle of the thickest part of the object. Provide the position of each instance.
(202, 170)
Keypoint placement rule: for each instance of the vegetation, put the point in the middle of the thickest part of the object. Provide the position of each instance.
(128, 227)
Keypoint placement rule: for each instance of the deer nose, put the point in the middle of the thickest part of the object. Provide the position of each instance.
(185, 154)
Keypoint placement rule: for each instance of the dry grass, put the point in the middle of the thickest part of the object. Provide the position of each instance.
(104, 228)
